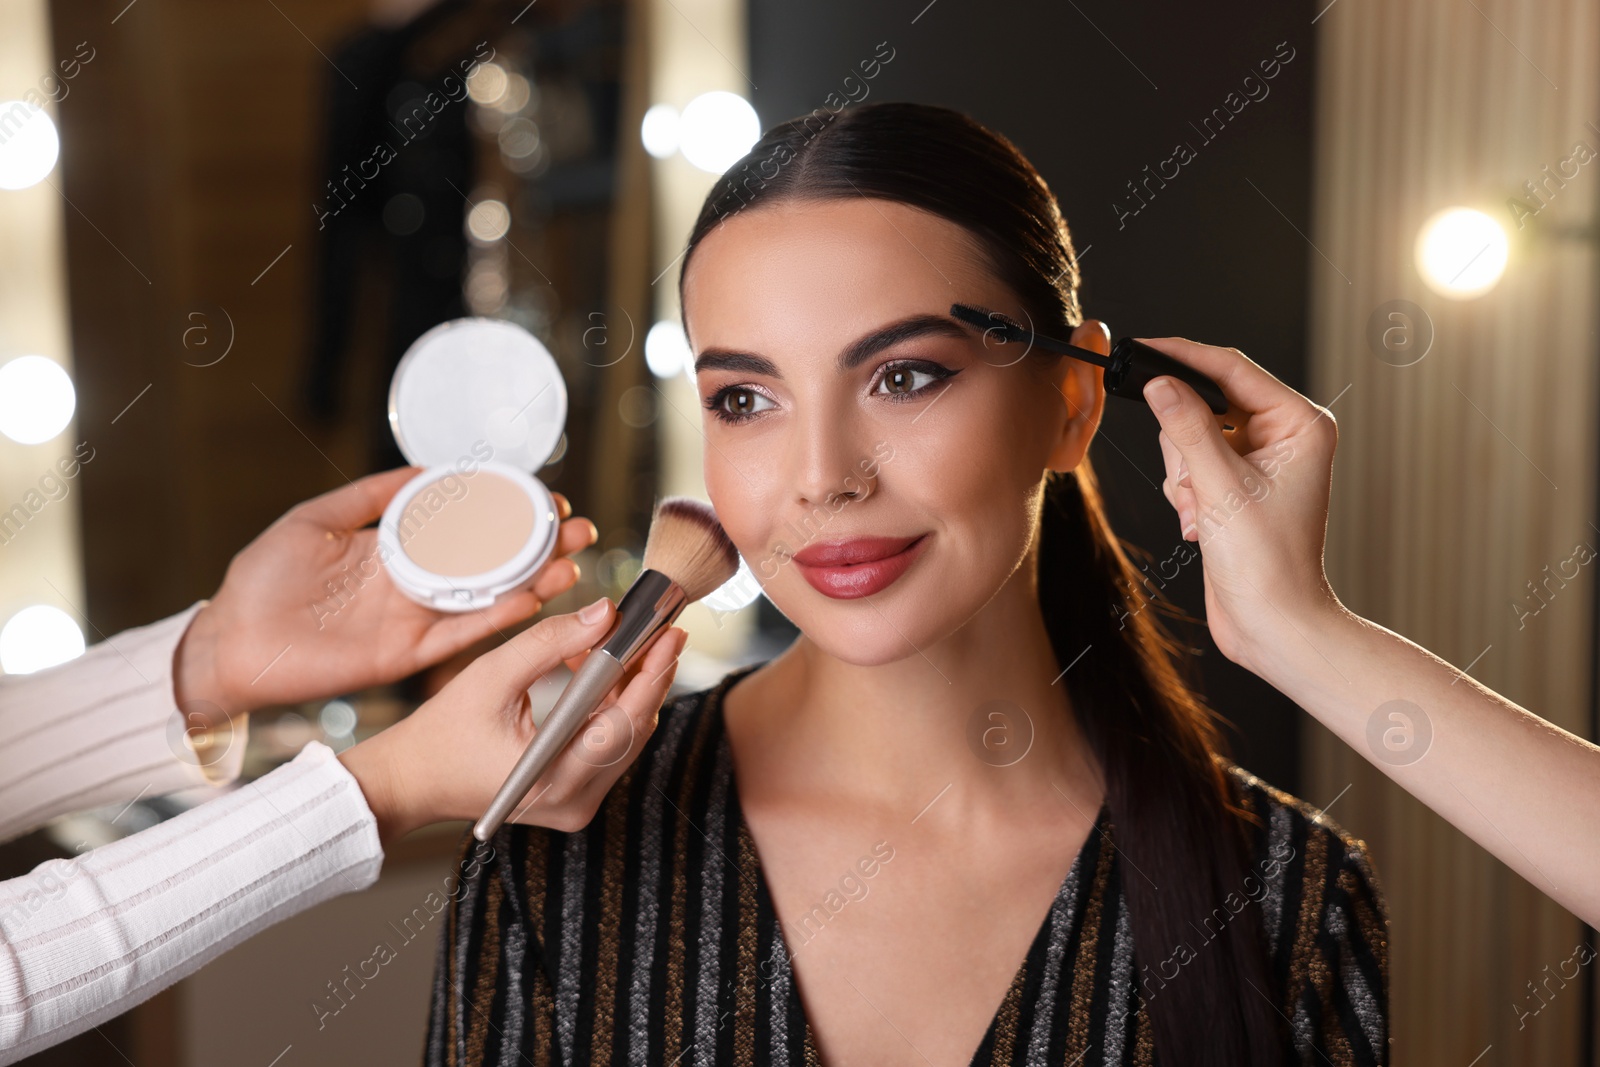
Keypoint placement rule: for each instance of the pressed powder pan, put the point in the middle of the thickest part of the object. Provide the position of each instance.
(480, 404)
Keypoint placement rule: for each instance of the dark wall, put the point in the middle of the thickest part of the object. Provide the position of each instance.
(1093, 92)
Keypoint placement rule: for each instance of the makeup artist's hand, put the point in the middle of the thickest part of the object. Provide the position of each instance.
(1462, 750)
(307, 610)
(447, 759)
(1255, 497)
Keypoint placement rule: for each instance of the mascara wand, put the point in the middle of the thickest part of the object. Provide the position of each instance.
(1130, 365)
(686, 556)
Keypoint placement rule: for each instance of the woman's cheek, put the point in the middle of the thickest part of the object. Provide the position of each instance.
(745, 497)
(947, 468)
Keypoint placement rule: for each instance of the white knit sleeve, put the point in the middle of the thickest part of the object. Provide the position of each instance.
(101, 729)
(83, 940)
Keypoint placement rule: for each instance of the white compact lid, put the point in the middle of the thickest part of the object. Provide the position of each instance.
(472, 381)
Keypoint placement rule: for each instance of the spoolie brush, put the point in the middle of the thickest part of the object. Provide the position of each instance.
(686, 556)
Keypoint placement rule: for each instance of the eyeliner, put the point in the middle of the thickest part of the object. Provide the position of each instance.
(1130, 365)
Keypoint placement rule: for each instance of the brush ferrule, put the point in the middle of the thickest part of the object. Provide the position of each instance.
(651, 604)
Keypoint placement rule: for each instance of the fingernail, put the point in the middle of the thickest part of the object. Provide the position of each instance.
(594, 612)
(1162, 396)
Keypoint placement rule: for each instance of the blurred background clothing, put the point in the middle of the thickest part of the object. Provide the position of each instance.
(391, 192)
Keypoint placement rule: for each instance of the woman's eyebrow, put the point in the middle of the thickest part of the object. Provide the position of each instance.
(853, 355)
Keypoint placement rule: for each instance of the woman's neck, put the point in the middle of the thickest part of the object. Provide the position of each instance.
(958, 713)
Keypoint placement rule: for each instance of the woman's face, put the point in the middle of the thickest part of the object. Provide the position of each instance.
(827, 364)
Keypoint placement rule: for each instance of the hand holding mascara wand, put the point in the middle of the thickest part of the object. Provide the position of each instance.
(686, 556)
(1130, 365)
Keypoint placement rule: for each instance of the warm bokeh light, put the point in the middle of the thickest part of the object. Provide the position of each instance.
(516, 96)
(487, 84)
(519, 138)
(36, 399)
(488, 221)
(666, 350)
(1461, 252)
(717, 128)
(338, 718)
(659, 130)
(38, 637)
(29, 145)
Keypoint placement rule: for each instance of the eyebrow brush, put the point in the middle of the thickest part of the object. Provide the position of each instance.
(1130, 365)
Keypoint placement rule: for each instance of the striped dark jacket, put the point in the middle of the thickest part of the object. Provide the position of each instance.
(649, 937)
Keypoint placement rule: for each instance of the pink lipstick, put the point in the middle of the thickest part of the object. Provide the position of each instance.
(858, 567)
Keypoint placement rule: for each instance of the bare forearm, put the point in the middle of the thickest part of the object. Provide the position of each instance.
(391, 794)
(1523, 788)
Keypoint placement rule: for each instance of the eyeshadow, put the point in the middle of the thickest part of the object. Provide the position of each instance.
(465, 524)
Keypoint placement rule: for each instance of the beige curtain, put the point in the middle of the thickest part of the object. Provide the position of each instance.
(1460, 478)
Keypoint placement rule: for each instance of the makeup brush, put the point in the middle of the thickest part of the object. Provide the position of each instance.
(1130, 365)
(686, 556)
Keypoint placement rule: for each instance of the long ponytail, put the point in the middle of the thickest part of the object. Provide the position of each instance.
(1173, 809)
(1175, 814)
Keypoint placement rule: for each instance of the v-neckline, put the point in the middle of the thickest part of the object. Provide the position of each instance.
(1069, 895)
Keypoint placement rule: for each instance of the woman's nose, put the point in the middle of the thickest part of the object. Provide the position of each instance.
(827, 462)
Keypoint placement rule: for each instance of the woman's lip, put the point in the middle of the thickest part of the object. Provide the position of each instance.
(850, 581)
(852, 551)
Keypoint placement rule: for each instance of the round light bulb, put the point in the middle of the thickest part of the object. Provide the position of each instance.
(666, 349)
(717, 129)
(1461, 252)
(36, 399)
(29, 144)
(659, 130)
(38, 637)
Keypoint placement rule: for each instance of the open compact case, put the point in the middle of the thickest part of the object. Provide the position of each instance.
(480, 404)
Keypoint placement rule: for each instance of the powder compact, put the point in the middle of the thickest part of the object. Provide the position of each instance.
(480, 405)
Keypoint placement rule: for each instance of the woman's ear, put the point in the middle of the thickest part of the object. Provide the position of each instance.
(1082, 387)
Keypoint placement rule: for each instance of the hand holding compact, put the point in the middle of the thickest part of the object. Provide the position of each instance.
(447, 759)
(307, 610)
(1254, 497)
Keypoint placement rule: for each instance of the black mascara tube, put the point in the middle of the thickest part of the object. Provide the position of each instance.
(1130, 365)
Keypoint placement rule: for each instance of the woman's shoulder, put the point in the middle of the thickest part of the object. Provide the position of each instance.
(672, 809)
(1323, 909)
(687, 739)
(1289, 829)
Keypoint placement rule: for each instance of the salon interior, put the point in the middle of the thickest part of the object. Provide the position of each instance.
(222, 225)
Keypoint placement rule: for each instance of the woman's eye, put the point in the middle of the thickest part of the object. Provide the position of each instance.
(739, 402)
(903, 381)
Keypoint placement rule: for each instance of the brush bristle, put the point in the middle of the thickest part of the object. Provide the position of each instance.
(688, 545)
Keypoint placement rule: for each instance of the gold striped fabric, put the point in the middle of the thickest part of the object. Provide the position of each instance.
(649, 936)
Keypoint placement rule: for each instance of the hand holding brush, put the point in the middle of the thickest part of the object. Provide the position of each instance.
(686, 556)
(443, 761)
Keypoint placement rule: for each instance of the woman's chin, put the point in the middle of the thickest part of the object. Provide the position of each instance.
(874, 651)
(865, 634)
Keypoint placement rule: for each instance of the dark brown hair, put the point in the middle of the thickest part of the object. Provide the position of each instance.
(1178, 820)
